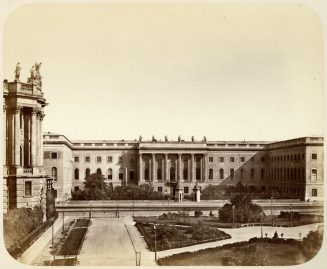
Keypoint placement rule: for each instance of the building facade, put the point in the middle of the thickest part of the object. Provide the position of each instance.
(293, 168)
(24, 179)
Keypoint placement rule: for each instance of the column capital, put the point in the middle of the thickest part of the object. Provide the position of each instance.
(35, 111)
(13, 109)
(4, 108)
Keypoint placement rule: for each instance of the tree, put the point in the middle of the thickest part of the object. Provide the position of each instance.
(95, 187)
(244, 210)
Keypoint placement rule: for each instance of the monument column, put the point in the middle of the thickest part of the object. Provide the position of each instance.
(33, 137)
(17, 135)
(153, 167)
(140, 169)
(180, 175)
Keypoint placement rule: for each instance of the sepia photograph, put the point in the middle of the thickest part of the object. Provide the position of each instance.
(162, 133)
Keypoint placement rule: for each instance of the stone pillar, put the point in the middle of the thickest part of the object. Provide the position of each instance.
(192, 167)
(29, 140)
(205, 168)
(33, 138)
(153, 167)
(140, 168)
(41, 139)
(166, 167)
(180, 174)
(4, 135)
(17, 136)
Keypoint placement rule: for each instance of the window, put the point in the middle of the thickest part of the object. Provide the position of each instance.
(221, 159)
(262, 173)
(313, 174)
(87, 172)
(54, 173)
(314, 156)
(54, 155)
(76, 188)
(55, 193)
(210, 159)
(314, 192)
(28, 188)
(242, 159)
(186, 190)
(252, 159)
(120, 159)
(262, 159)
(210, 174)
(198, 174)
(252, 173)
(76, 159)
(160, 189)
(146, 174)
(185, 173)
(109, 159)
(87, 159)
(109, 173)
(221, 173)
(98, 159)
(232, 174)
(99, 172)
(76, 173)
(159, 174)
(231, 159)
(121, 174)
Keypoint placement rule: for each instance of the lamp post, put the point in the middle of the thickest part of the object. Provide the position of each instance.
(63, 222)
(271, 206)
(233, 207)
(155, 242)
(261, 214)
(52, 234)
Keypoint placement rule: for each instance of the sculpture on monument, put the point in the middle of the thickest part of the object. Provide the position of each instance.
(36, 78)
(166, 138)
(17, 72)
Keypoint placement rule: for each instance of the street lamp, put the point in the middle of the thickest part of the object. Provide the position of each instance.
(155, 242)
(233, 207)
(52, 233)
(261, 215)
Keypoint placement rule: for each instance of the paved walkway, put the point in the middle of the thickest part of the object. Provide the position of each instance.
(109, 242)
(244, 234)
(41, 244)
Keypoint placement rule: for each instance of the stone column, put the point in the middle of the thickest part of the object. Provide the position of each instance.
(166, 167)
(140, 168)
(192, 167)
(33, 137)
(180, 174)
(17, 135)
(41, 138)
(4, 135)
(153, 167)
(163, 169)
(29, 143)
(205, 168)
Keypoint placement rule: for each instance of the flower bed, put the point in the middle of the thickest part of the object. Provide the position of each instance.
(173, 236)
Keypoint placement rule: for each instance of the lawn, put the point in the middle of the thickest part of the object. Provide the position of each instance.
(167, 236)
(254, 252)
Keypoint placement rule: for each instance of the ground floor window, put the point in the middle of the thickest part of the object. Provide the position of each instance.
(186, 190)
(76, 188)
(314, 192)
(28, 188)
(160, 189)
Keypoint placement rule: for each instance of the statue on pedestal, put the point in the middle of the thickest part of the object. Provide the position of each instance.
(17, 72)
(179, 138)
(192, 138)
(36, 77)
(166, 139)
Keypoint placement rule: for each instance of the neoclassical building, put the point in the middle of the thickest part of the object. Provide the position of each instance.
(293, 167)
(24, 179)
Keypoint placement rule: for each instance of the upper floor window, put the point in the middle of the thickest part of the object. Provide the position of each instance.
(98, 159)
(120, 158)
(210, 159)
(221, 159)
(76, 173)
(313, 174)
(252, 173)
(314, 156)
(87, 159)
(54, 155)
(232, 174)
(221, 173)
(109, 159)
(28, 188)
(231, 159)
(252, 159)
(54, 173)
(242, 173)
(210, 174)
(263, 159)
(314, 192)
(242, 159)
(76, 159)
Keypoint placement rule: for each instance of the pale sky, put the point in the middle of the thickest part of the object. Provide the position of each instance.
(226, 71)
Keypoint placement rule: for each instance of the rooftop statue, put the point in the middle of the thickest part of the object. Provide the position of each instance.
(204, 139)
(192, 138)
(17, 72)
(179, 138)
(140, 138)
(166, 138)
(36, 77)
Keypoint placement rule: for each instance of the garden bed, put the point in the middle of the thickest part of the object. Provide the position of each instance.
(174, 236)
(73, 242)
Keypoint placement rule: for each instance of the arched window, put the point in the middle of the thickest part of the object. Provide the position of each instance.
(221, 173)
(76, 173)
(109, 173)
(54, 173)
(87, 172)
(231, 174)
(210, 174)
(99, 172)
